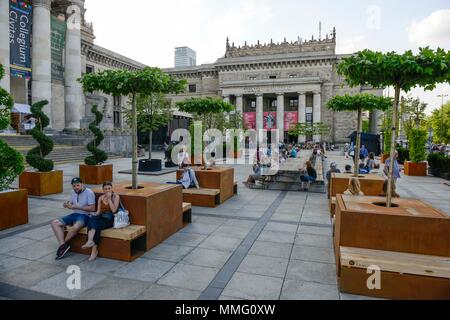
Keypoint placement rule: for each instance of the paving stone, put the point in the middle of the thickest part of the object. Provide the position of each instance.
(265, 266)
(315, 230)
(189, 277)
(11, 243)
(301, 290)
(207, 258)
(280, 227)
(69, 260)
(102, 266)
(8, 263)
(286, 218)
(279, 237)
(186, 239)
(38, 234)
(222, 243)
(144, 270)
(314, 254)
(200, 228)
(271, 249)
(34, 251)
(233, 232)
(313, 240)
(168, 252)
(311, 272)
(30, 274)
(159, 292)
(115, 289)
(253, 287)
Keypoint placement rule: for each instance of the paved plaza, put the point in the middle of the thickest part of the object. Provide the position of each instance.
(258, 245)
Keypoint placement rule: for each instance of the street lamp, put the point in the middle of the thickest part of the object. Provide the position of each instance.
(442, 116)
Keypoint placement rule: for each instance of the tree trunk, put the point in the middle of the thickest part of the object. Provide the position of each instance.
(358, 143)
(134, 143)
(393, 146)
(150, 144)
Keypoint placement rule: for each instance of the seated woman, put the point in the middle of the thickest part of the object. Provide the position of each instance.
(362, 169)
(108, 205)
(354, 188)
(393, 188)
(309, 177)
(251, 180)
(188, 179)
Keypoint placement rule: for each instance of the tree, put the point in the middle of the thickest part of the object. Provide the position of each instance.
(11, 161)
(439, 121)
(132, 83)
(153, 112)
(413, 113)
(359, 103)
(98, 155)
(36, 156)
(309, 129)
(403, 72)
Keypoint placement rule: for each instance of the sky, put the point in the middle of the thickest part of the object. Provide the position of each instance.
(148, 31)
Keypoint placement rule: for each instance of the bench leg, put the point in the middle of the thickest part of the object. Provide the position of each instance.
(187, 217)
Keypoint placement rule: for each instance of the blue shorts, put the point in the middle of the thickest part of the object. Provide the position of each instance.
(72, 219)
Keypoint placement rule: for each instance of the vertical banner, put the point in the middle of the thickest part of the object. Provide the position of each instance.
(20, 15)
(270, 120)
(58, 43)
(249, 120)
(290, 120)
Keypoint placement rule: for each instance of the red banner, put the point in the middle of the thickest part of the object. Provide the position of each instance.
(270, 120)
(290, 120)
(249, 120)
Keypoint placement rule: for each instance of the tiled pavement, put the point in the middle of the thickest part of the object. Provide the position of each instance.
(258, 245)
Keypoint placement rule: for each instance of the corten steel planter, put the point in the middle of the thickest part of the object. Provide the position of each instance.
(158, 207)
(416, 169)
(13, 208)
(215, 178)
(96, 175)
(410, 226)
(42, 183)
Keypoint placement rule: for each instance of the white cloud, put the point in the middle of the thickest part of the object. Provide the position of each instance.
(352, 45)
(432, 31)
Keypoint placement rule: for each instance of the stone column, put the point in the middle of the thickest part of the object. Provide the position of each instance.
(317, 112)
(240, 106)
(302, 113)
(41, 85)
(280, 115)
(4, 44)
(74, 97)
(374, 121)
(227, 100)
(259, 112)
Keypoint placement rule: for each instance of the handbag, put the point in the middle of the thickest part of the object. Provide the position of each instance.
(121, 219)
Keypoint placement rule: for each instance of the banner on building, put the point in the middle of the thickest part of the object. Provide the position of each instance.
(20, 22)
(58, 44)
(249, 120)
(270, 120)
(290, 120)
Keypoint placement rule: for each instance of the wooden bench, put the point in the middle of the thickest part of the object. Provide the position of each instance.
(332, 206)
(187, 213)
(202, 197)
(125, 244)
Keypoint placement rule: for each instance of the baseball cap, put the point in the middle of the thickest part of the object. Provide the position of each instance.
(76, 180)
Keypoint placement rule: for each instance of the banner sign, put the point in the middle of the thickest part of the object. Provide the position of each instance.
(249, 120)
(290, 120)
(270, 120)
(20, 22)
(58, 44)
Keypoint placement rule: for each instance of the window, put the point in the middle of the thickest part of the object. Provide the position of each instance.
(272, 77)
(292, 76)
(293, 105)
(252, 78)
(117, 101)
(192, 88)
(116, 118)
(90, 69)
(274, 104)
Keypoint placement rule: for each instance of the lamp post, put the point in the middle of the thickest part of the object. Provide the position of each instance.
(442, 116)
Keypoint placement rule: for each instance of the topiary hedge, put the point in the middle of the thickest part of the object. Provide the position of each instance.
(98, 155)
(439, 163)
(417, 144)
(11, 161)
(36, 156)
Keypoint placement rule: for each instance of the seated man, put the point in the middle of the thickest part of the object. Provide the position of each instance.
(82, 203)
(251, 180)
(348, 169)
(189, 179)
(333, 169)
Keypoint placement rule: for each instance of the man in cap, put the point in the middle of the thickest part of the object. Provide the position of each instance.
(82, 204)
(333, 169)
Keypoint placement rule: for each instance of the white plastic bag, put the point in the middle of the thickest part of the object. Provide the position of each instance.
(121, 219)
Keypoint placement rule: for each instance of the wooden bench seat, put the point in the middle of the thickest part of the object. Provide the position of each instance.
(125, 244)
(202, 197)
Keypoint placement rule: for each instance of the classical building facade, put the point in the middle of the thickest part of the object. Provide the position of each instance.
(276, 85)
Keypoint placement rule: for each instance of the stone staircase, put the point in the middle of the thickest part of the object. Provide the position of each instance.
(61, 153)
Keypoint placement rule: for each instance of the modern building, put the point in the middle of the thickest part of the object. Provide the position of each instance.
(185, 57)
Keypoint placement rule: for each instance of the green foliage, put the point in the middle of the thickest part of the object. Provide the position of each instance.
(36, 156)
(305, 129)
(439, 121)
(365, 126)
(98, 156)
(153, 112)
(206, 109)
(11, 161)
(363, 102)
(404, 71)
(123, 82)
(403, 154)
(439, 162)
(412, 114)
(417, 145)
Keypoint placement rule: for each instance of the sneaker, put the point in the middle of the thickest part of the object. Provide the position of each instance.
(62, 251)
